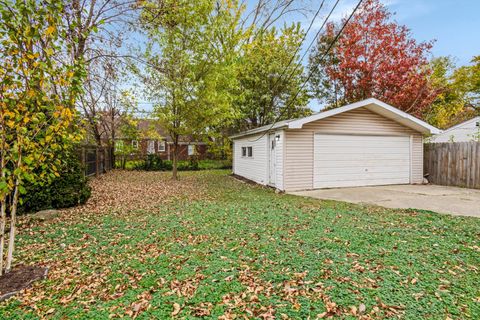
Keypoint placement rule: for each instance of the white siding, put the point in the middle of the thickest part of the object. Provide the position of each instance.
(299, 153)
(417, 159)
(467, 131)
(256, 167)
(279, 155)
(298, 170)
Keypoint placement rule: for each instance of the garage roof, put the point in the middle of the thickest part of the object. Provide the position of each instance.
(371, 104)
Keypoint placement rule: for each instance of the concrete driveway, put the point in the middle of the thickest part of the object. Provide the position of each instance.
(441, 199)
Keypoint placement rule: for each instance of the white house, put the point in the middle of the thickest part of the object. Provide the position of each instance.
(463, 132)
(364, 143)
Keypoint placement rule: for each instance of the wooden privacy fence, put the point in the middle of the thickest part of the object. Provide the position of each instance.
(453, 164)
(95, 160)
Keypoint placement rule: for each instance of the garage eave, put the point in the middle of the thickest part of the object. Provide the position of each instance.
(275, 126)
(376, 106)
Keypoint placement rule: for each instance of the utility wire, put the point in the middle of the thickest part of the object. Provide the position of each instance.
(314, 39)
(300, 45)
(301, 42)
(311, 72)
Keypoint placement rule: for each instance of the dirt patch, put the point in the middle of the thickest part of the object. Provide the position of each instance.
(44, 215)
(19, 278)
(247, 181)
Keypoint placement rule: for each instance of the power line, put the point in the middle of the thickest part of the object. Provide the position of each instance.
(311, 72)
(314, 38)
(300, 45)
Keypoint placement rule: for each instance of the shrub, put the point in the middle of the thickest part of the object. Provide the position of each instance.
(190, 165)
(153, 162)
(69, 189)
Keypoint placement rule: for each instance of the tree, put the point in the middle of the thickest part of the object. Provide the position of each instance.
(458, 92)
(449, 100)
(128, 129)
(37, 97)
(271, 79)
(192, 64)
(374, 57)
(467, 79)
(95, 34)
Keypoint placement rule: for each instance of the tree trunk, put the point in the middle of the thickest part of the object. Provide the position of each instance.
(112, 139)
(111, 149)
(174, 163)
(3, 222)
(97, 162)
(13, 220)
(3, 215)
(175, 158)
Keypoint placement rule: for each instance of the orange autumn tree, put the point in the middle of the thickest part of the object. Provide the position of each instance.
(37, 95)
(374, 57)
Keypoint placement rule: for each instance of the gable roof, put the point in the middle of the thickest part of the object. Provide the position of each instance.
(476, 119)
(371, 104)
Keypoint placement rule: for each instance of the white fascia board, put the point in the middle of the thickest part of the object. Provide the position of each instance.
(298, 124)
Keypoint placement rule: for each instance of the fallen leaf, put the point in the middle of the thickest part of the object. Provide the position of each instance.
(176, 309)
(362, 308)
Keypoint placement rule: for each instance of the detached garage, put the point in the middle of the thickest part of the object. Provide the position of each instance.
(362, 144)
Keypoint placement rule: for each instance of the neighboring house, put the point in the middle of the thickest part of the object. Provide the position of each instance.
(156, 141)
(361, 144)
(463, 132)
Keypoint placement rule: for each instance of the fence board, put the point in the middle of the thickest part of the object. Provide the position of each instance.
(95, 160)
(453, 164)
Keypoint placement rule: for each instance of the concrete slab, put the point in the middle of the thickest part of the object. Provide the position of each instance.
(441, 199)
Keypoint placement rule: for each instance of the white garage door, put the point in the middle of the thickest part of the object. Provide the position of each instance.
(358, 160)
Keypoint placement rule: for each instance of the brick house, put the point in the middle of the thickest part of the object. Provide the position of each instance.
(156, 141)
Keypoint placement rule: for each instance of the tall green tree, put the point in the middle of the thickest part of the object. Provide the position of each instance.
(458, 92)
(37, 102)
(192, 64)
(271, 78)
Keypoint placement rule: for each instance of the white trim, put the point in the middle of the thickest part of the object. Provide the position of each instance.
(150, 146)
(271, 159)
(135, 144)
(417, 124)
(298, 124)
(284, 158)
(461, 124)
(268, 127)
(162, 143)
(191, 150)
(411, 159)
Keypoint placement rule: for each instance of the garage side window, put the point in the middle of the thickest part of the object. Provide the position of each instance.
(247, 152)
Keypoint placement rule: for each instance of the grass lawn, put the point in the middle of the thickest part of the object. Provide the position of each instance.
(211, 246)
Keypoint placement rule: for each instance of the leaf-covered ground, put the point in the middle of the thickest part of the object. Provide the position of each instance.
(211, 246)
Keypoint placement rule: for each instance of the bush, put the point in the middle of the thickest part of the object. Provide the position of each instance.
(153, 162)
(189, 165)
(215, 164)
(67, 190)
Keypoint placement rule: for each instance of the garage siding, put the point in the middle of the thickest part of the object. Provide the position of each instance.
(279, 159)
(298, 171)
(256, 167)
(417, 158)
